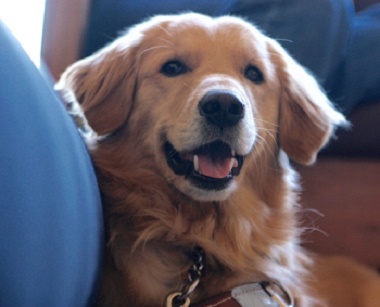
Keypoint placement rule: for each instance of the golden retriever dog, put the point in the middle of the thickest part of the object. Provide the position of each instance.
(195, 119)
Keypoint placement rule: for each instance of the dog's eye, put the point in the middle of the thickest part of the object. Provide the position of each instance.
(173, 68)
(254, 74)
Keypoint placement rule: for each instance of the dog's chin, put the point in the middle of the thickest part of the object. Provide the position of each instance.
(206, 173)
(203, 195)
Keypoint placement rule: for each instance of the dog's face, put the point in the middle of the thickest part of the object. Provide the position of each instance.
(208, 101)
(205, 97)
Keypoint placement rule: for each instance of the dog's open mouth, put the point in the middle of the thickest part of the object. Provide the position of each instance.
(211, 166)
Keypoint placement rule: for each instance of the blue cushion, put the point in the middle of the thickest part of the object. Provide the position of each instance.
(50, 214)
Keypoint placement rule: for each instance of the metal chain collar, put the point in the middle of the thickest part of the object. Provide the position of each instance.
(277, 293)
(181, 299)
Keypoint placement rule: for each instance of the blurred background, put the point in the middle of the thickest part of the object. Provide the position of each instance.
(25, 19)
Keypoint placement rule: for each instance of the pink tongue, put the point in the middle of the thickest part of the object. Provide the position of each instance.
(214, 169)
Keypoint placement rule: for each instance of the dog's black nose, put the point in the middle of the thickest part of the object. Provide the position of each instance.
(221, 108)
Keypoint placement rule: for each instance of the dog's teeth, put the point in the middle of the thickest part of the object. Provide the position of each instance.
(196, 163)
(234, 163)
(233, 152)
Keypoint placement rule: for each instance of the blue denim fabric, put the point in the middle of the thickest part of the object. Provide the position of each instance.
(360, 70)
(340, 48)
(50, 215)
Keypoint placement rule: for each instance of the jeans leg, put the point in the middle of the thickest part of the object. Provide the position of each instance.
(50, 215)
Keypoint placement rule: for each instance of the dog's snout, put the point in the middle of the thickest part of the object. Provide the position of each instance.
(221, 108)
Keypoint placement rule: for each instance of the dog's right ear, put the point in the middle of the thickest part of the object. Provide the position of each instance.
(103, 84)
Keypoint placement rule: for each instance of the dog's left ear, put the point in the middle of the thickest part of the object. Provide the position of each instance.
(307, 118)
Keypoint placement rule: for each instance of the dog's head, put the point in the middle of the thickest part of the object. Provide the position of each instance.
(204, 97)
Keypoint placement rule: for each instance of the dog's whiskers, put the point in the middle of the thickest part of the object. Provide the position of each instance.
(187, 85)
(270, 132)
(267, 122)
(263, 148)
(284, 40)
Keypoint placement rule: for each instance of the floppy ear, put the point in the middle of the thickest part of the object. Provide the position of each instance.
(307, 118)
(103, 84)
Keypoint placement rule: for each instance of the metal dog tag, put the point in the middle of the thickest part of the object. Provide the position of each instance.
(264, 294)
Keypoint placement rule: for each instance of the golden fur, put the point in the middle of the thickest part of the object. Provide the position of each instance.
(249, 230)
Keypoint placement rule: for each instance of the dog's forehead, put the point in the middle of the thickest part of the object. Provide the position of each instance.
(198, 32)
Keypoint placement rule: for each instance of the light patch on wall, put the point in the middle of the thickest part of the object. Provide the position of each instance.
(25, 20)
